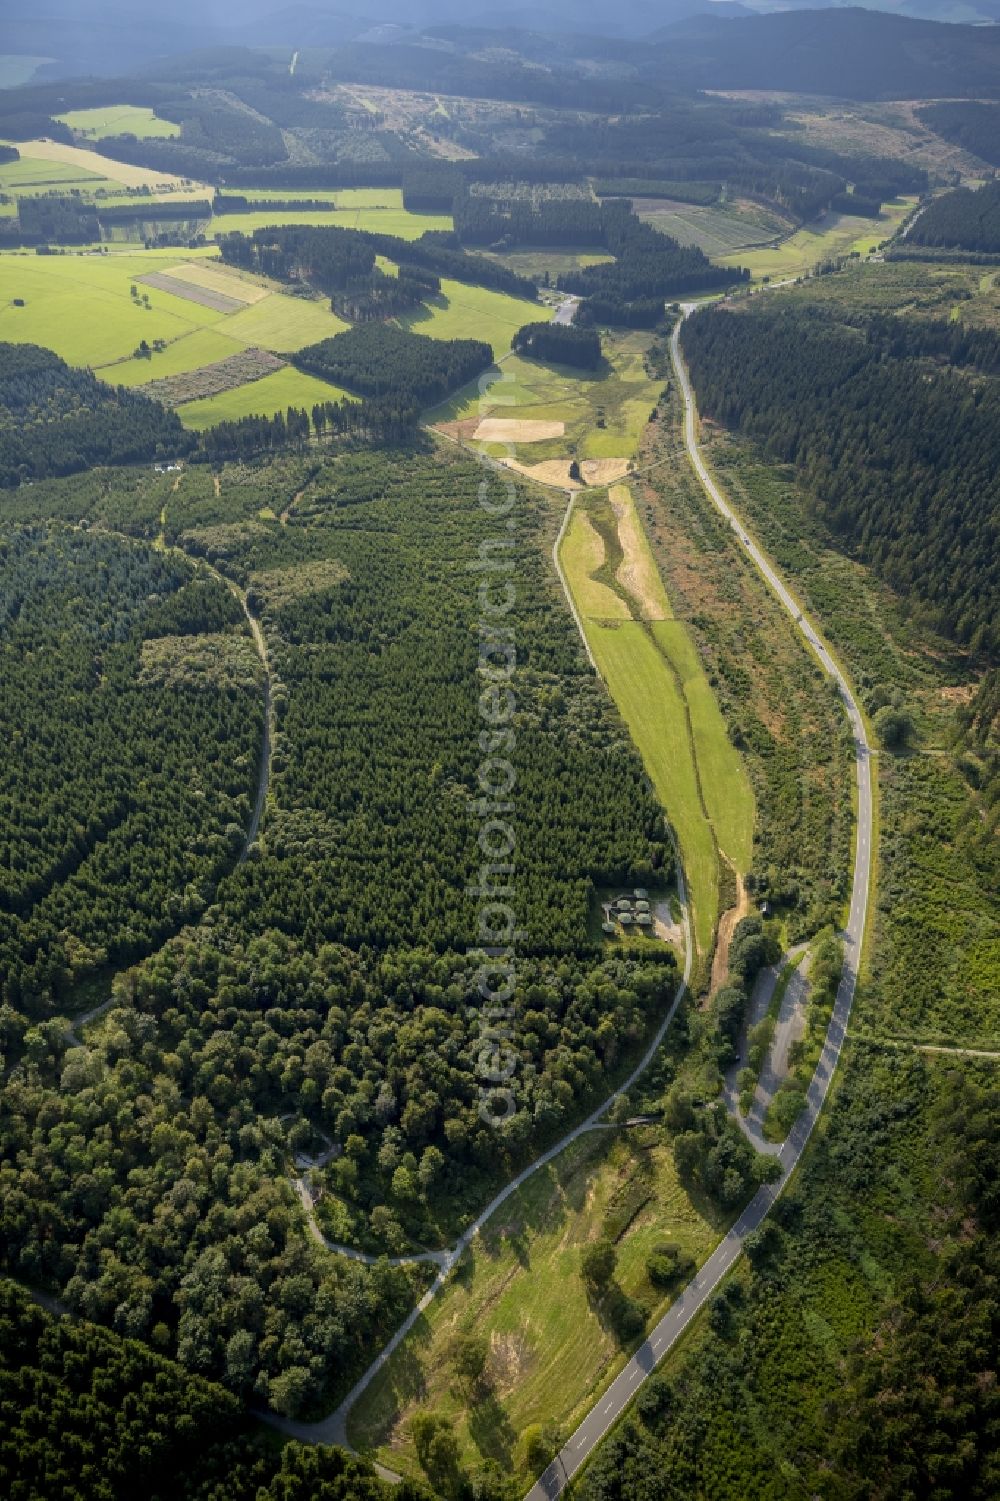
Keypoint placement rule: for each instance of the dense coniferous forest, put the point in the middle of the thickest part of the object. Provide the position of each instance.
(54, 419)
(49, 217)
(331, 980)
(140, 670)
(966, 219)
(559, 344)
(93, 1416)
(895, 450)
(381, 360)
(647, 264)
(338, 261)
(973, 126)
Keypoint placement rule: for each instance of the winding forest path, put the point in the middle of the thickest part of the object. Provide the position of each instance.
(613, 1402)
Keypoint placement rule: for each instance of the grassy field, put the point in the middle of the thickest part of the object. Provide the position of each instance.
(285, 388)
(102, 166)
(652, 704)
(387, 221)
(605, 414)
(830, 236)
(551, 1349)
(656, 678)
(81, 306)
(282, 323)
(118, 119)
(534, 262)
(464, 312)
(36, 174)
(203, 346)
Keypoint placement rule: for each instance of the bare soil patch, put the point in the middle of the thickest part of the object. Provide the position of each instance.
(551, 472)
(514, 430)
(462, 431)
(727, 926)
(603, 471)
(215, 280)
(637, 572)
(220, 301)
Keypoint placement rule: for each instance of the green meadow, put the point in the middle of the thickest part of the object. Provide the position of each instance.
(830, 236)
(605, 414)
(81, 305)
(275, 393)
(387, 221)
(464, 312)
(202, 346)
(118, 119)
(36, 174)
(551, 1347)
(653, 672)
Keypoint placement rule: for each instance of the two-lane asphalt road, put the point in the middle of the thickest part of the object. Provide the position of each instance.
(609, 1407)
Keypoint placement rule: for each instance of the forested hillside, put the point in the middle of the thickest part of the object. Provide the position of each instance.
(139, 669)
(54, 419)
(332, 983)
(894, 448)
(967, 219)
(975, 127)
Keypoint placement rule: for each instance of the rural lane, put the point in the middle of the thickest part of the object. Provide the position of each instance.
(613, 1402)
(333, 1428)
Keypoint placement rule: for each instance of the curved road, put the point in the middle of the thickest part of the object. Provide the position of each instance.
(333, 1428)
(610, 1406)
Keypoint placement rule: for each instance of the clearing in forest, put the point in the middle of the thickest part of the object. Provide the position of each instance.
(549, 1347)
(655, 675)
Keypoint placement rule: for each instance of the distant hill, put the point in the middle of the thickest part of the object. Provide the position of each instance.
(850, 53)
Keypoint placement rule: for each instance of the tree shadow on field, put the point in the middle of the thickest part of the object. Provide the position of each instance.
(491, 1430)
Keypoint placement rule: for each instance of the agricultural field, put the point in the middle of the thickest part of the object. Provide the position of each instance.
(118, 119)
(831, 236)
(36, 174)
(605, 414)
(202, 346)
(275, 393)
(388, 221)
(463, 312)
(283, 323)
(101, 166)
(81, 305)
(718, 228)
(550, 1345)
(655, 676)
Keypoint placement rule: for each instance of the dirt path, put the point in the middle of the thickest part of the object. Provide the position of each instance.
(727, 926)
